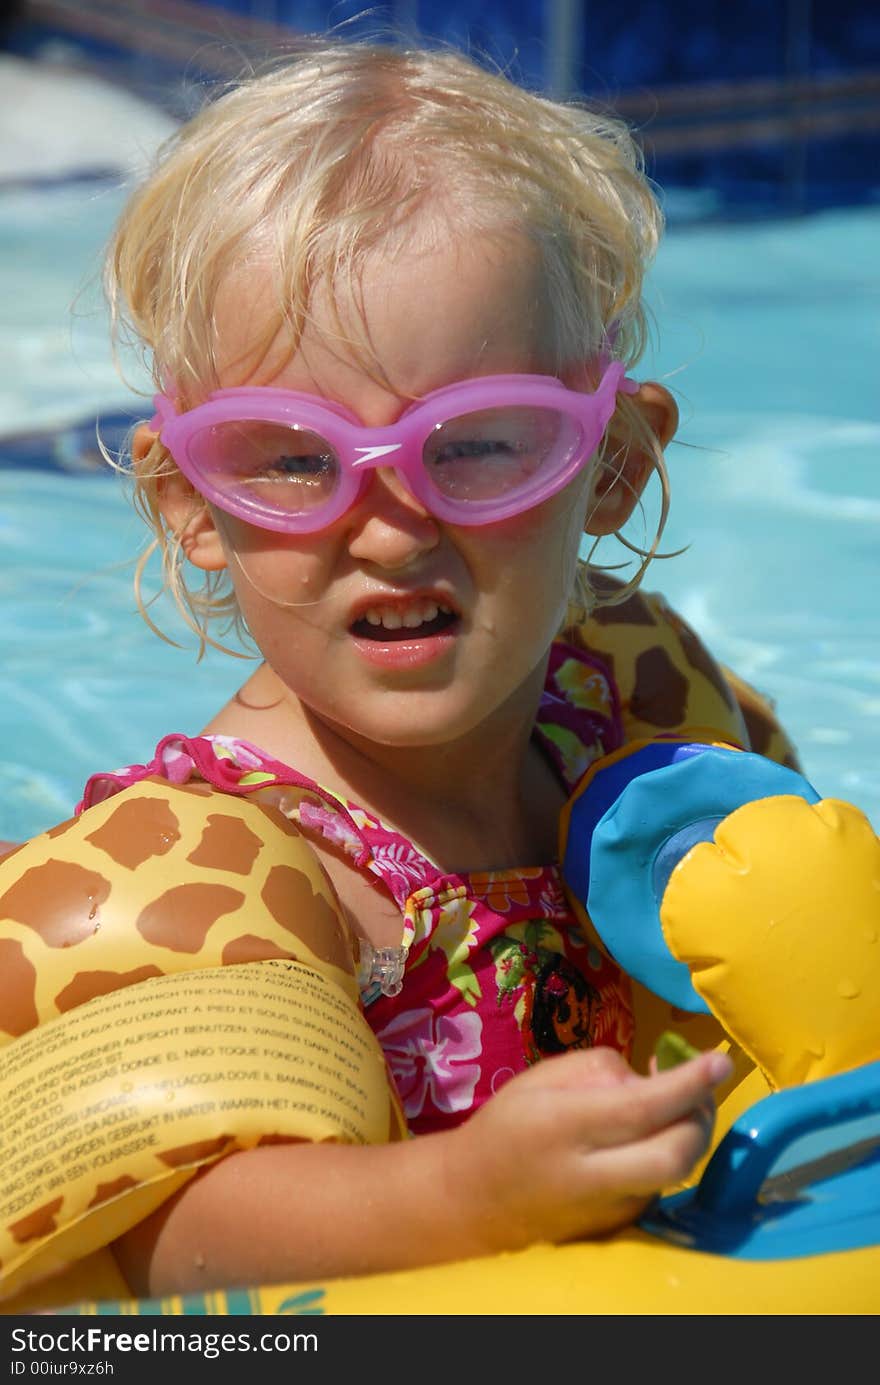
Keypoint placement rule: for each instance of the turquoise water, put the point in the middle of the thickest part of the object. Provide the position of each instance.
(768, 334)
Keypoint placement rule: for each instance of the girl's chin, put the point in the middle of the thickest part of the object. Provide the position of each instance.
(422, 721)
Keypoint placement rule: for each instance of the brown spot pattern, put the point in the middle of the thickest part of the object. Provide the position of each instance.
(18, 989)
(58, 900)
(633, 611)
(289, 897)
(250, 948)
(759, 726)
(661, 690)
(700, 659)
(87, 984)
(197, 787)
(198, 1151)
(766, 735)
(579, 636)
(139, 829)
(40, 1222)
(182, 917)
(61, 828)
(226, 844)
(106, 1191)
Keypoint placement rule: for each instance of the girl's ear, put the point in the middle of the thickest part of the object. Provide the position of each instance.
(629, 462)
(183, 510)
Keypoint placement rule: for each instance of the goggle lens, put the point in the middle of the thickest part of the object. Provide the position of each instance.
(274, 466)
(492, 453)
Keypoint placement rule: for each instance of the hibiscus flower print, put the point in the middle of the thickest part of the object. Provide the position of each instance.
(429, 1058)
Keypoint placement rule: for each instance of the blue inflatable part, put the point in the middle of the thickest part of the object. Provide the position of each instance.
(606, 786)
(798, 1174)
(637, 821)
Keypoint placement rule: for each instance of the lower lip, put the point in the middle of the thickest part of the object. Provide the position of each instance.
(405, 654)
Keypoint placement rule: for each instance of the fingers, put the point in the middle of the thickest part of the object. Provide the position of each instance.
(625, 1177)
(610, 1188)
(621, 1107)
(598, 1098)
(579, 1069)
(656, 1102)
(644, 1167)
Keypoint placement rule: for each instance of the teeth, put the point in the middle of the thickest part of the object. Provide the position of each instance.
(393, 617)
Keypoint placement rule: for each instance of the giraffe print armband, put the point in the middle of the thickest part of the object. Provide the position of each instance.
(176, 983)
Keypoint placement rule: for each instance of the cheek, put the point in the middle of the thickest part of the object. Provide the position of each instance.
(540, 548)
(269, 571)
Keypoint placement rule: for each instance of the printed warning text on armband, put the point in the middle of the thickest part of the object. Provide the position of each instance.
(127, 1076)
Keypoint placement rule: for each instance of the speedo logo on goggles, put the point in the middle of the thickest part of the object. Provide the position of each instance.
(472, 453)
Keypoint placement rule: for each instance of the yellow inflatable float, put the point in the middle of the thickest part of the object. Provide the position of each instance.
(151, 1028)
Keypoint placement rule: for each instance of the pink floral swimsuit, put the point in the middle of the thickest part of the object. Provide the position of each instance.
(495, 972)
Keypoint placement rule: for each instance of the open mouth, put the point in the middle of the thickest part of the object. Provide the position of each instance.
(388, 624)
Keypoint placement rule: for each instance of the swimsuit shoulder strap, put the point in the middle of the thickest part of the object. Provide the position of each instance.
(237, 767)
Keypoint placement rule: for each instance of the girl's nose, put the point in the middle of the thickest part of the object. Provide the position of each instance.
(389, 526)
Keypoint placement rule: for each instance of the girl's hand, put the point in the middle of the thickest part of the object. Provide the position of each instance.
(579, 1145)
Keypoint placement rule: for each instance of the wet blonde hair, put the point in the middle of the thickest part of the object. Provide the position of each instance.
(329, 156)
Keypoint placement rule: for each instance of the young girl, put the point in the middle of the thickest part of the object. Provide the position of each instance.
(392, 303)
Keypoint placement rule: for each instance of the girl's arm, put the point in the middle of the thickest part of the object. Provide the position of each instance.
(576, 1146)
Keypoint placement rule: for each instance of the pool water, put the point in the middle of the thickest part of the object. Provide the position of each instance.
(767, 332)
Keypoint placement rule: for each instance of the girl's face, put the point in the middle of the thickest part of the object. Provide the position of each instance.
(480, 606)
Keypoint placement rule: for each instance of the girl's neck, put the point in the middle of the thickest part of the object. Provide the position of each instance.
(487, 800)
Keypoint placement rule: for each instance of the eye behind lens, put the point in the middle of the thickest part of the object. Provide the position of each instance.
(272, 465)
(491, 453)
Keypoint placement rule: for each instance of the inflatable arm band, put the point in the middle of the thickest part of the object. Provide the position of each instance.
(721, 882)
(149, 1029)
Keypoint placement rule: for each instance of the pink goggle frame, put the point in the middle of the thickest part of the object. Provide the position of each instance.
(472, 453)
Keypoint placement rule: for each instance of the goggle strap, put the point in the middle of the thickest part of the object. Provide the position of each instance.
(165, 406)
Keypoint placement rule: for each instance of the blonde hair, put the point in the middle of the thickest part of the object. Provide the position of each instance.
(325, 157)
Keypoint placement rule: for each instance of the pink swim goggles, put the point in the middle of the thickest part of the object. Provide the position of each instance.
(473, 453)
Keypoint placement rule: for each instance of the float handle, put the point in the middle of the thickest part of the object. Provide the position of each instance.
(756, 1143)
